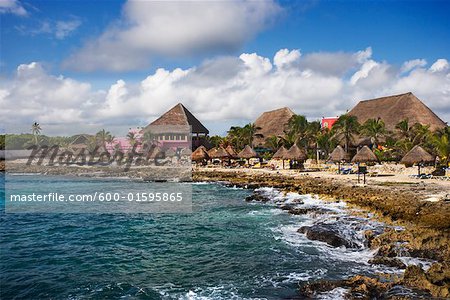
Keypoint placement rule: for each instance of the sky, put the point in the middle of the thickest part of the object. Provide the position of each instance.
(79, 66)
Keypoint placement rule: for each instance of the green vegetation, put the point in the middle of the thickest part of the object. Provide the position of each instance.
(348, 132)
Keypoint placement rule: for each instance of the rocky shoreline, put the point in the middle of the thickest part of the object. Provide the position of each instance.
(425, 233)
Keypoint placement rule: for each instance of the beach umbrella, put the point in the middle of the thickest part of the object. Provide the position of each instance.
(339, 155)
(417, 155)
(364, 155)
(247, 153)
(295, 153)
(218, 153)
(231, 151)
(280, 154)
(200, 154)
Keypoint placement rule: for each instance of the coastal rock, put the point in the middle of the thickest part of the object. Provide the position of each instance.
(324, 233)
(256, 196)
(388, 261)
(360, 287)
(416, 277)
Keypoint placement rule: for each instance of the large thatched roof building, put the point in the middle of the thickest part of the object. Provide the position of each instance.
(272, 123)
(393, 109)
(180, 115)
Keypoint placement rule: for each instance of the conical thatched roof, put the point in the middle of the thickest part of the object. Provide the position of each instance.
(272, 123)
(417, 155)
(280, 154)
(247, 153)
(199, 154)
(295, 153)
(339, 155)
(179, 115)
(231, 151)
(364, 155)
(393, 109)
(218, 153)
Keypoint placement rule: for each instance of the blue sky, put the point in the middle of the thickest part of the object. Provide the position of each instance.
(396, 31)
(64, 38)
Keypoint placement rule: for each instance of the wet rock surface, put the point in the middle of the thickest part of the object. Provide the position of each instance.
(327, 234)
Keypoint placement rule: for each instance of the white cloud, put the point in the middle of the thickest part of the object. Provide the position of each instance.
(59, 29)
(12, 7)
(222, 90)
(412, 64)
(65, 28)
(175, 28)
(440, 65)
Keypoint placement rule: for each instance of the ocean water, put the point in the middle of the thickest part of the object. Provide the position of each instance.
(226, 249)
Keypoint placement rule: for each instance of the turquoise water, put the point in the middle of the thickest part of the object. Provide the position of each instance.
(226, 249)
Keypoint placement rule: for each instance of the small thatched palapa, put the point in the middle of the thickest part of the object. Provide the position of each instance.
(199, 154)
(280, 154)
(339, 155)
(364, 155)
(247, 153)
(295, 153)
(231, 151)
(417, 155)
(218, 153)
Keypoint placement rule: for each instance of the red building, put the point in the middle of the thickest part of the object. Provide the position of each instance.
(328, 122)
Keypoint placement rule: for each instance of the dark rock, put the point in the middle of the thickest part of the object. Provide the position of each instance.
(324, 233)
(388, 261)
(257, 197)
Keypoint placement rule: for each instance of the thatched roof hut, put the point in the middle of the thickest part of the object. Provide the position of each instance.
(218, 153)
(280, 154)
(339, 155)
(231, 151)
(271, 123)
(392, 109)
(247, 153)
(295, 153)
(364, 155)
(200, 154)
(417, 155)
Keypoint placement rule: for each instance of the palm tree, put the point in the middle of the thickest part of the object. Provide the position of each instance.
(215, 140)
(345, 128)
(420, 134)
(249, 132)
(103, 137)
(374, 129)
(131, 136)
(441, 142)
(326, 141)
(298, 126)
(273, 142)
(234, 136)
(36, 130)
(403, 129)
